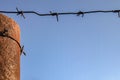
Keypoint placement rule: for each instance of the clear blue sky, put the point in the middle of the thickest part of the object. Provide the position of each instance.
(74, 48)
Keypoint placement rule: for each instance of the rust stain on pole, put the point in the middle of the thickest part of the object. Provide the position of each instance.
(9, 49)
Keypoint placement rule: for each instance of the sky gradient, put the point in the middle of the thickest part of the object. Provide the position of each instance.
(74, 48)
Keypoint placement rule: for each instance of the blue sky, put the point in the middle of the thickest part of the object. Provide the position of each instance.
(74, 48)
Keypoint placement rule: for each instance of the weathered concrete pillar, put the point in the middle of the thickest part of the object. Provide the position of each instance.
(9, 49)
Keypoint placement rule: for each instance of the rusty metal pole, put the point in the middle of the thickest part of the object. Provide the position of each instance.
(9, 49)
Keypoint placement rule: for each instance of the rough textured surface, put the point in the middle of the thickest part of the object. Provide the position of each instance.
(9, 50)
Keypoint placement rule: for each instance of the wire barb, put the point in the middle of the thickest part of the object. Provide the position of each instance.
(22, 50)
(118, 12)
(80, 13)
(20, 13)
(54, 14)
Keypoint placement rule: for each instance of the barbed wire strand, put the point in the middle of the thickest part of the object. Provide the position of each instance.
(20, 12)
(4, 34)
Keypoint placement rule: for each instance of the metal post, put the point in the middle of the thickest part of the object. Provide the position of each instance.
(9, 49)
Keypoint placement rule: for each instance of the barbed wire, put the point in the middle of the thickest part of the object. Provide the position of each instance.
(5, 34)
(56, 14)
